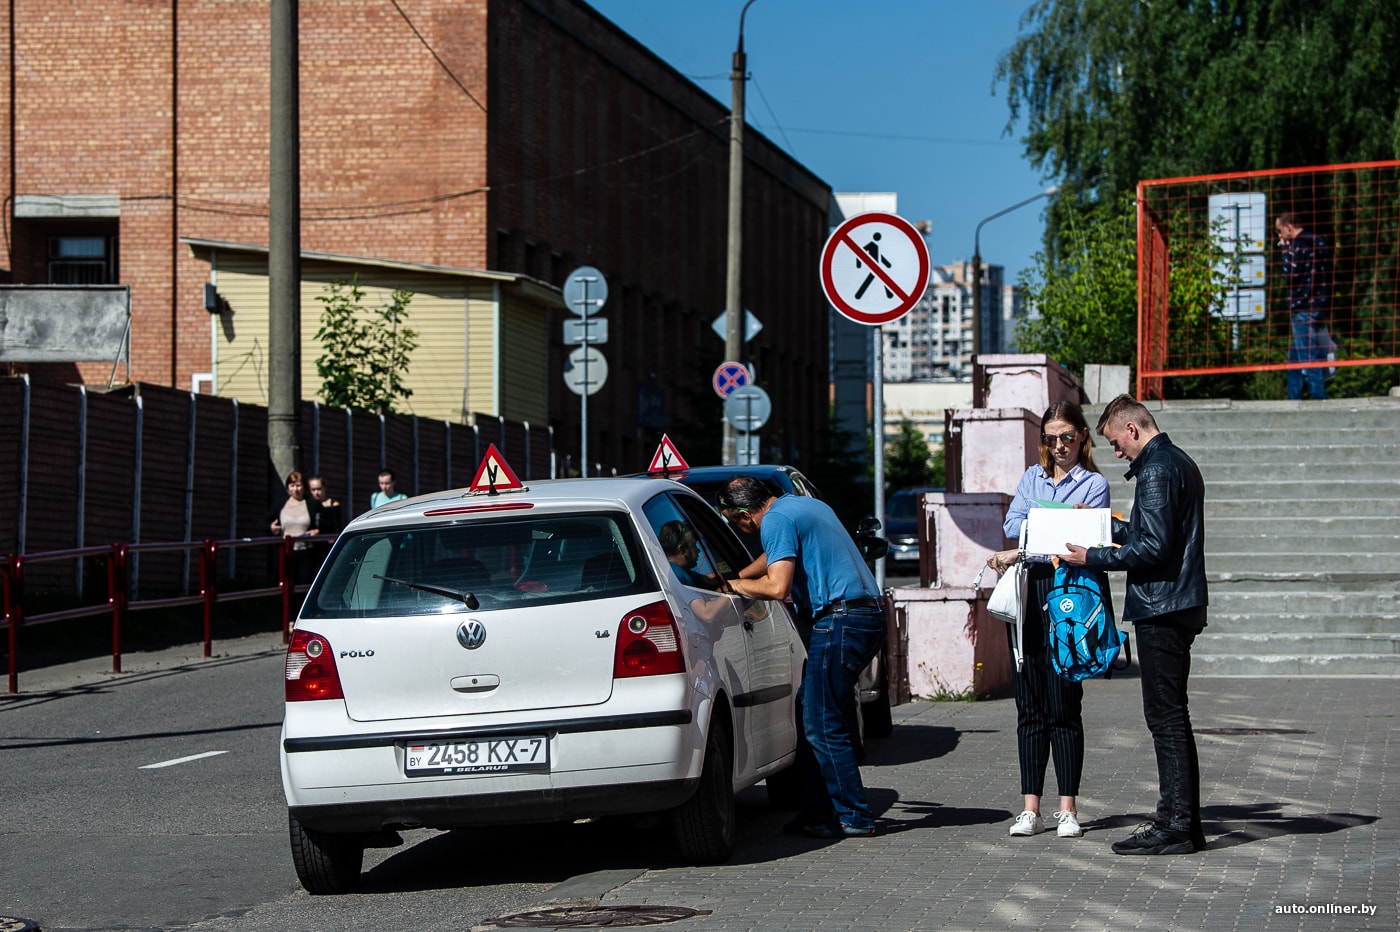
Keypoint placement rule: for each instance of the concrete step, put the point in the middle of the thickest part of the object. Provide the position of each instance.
(1262, 471)
(1291, 559)
(1379, 503)
(1381, 580)
(1386, 665)
(1264, 488)
(1300, 643)
(1303, 622)
(1303, 542)
(1218, 526)
(1287, 450)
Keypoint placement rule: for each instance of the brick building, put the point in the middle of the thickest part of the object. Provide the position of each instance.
(520, 136)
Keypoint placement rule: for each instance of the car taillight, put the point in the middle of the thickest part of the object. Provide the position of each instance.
(648, 643)
(311, 672)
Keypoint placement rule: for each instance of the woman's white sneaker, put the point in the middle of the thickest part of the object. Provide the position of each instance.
(1027, 823)
(1069, 824)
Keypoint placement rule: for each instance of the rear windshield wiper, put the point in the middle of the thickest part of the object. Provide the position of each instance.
(466, 598)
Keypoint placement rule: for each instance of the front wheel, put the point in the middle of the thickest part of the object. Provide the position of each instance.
(326, 862)
(704, 824)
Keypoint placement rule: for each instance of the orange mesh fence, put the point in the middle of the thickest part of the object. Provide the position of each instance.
(1222, 290)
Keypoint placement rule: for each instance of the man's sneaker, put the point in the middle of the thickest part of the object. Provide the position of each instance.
(1149, 838)
(1027, 823)
(1069, 824)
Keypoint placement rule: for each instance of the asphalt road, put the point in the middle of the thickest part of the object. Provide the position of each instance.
(153, 801)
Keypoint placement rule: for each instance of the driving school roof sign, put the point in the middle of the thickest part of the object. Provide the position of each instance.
(875, 267)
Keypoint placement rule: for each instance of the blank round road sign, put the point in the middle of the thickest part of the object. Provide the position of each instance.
(574, 369)
(875, 268)
(585, 290)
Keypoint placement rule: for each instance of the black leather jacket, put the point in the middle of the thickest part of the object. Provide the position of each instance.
(1163, 542)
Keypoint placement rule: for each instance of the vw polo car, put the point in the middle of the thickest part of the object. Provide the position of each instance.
(529, 656)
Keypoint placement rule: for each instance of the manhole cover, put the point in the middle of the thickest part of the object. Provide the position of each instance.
(1251, 731)
(593, 917)
(16, 924)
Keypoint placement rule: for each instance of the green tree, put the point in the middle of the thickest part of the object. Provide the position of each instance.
(1117, 91)
(907, 461)
(365, 351)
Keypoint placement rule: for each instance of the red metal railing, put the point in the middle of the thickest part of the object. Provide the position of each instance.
(119, 602)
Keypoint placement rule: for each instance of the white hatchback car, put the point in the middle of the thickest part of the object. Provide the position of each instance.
(529, 656)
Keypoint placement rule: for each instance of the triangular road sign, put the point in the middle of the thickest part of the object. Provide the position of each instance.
(667, 459)
(494, 475)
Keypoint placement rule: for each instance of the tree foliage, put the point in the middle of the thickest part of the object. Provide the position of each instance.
(1115, 91)
(365, 351)
(907, 461)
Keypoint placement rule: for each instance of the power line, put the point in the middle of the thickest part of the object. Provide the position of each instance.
(440, 62)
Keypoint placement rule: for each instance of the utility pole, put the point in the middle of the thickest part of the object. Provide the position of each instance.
(284, 246)
(733, 297)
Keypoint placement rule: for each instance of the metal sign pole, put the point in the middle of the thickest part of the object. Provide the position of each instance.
(878, 403)
(583, 396)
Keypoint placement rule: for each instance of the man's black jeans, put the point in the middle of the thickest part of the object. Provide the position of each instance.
(1164, 657)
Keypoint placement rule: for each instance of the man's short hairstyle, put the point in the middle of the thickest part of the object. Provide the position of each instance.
(1123, 409)
(745, 493)
(1290, 219)
(387, 473)
(672, 536)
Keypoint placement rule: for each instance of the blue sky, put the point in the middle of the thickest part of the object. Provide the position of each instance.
(890, 96)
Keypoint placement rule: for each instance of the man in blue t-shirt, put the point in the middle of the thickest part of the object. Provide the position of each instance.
(808, 555)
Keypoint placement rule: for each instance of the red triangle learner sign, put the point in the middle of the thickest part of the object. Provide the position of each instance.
(495, 475)
(667, 458)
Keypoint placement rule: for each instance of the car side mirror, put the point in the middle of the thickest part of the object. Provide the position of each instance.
(872, 545)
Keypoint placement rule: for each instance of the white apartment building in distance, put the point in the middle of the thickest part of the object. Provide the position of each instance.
(934, 340)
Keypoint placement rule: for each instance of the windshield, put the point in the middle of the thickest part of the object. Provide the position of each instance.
(481, 565)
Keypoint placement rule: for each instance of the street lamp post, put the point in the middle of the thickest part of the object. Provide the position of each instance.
(733, 299)
(977, 265)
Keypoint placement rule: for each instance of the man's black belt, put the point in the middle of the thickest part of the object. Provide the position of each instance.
(845, 605)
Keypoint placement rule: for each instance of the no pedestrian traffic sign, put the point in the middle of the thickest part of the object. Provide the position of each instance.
(875, 268)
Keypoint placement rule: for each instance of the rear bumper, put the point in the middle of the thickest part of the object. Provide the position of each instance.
(496, 808)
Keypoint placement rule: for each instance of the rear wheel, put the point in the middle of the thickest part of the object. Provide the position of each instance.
(326, 862)
(704, 824)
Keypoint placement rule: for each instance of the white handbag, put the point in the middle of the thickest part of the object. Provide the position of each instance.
(1008, 598)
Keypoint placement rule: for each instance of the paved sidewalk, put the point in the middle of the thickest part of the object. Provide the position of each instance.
(1299, 787)
(1299, 782)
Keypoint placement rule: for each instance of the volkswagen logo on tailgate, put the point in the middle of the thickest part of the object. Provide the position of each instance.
(471, 634)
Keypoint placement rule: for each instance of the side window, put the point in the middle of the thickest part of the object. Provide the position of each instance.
(687, 551)
(727, 555)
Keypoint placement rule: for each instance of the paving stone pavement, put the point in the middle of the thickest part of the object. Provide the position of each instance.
(1298, 779)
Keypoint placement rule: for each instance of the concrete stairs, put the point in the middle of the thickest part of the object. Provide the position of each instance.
(1302, 532)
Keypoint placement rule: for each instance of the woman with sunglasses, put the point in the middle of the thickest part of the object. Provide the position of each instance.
(1048, 721)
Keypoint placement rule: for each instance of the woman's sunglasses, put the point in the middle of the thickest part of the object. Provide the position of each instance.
(1066, 439)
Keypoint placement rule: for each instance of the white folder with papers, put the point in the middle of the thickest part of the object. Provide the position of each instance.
(1049, 529)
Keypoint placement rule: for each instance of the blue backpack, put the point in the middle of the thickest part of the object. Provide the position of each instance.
(1084, 638)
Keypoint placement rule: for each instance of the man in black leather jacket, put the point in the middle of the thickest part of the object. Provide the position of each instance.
(1162, 547)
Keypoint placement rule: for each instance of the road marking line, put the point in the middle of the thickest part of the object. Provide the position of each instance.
(181, 760)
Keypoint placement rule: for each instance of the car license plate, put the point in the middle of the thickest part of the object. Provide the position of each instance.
(481, 755)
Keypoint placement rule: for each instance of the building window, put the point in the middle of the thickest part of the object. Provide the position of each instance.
(81, 260)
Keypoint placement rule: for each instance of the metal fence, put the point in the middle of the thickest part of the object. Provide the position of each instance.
(1220, 292)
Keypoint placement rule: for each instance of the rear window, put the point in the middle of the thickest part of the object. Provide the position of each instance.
(480, 566)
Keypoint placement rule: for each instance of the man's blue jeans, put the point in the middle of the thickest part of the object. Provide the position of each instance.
(1308, 345)
(1164, 658)
(842, 644)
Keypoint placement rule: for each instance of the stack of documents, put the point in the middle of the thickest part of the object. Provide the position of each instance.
(1049, 529)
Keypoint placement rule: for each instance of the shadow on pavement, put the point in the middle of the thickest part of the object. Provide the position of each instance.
(911, 744)
(1232, 825)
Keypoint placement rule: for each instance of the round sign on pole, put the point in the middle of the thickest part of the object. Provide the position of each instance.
(585, 290)
(585, 370)
(748, 408)
(875, 268)
(728, 377)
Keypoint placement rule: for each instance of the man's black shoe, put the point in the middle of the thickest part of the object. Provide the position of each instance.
(1148, 838)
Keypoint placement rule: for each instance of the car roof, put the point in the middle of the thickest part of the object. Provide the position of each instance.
(774, 473)
(549, 495)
